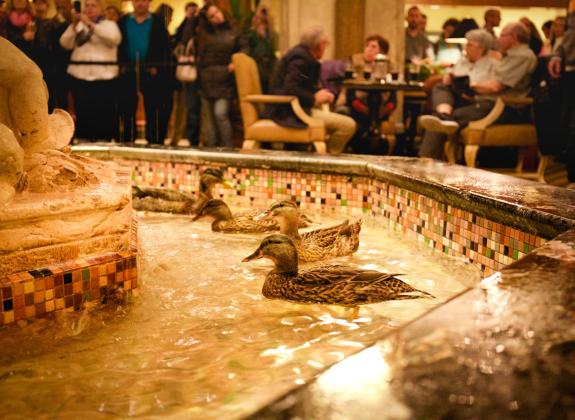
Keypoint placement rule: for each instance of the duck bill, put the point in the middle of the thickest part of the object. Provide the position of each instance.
(196, 217)
(258, 254)
(228, 185)
(262, 216)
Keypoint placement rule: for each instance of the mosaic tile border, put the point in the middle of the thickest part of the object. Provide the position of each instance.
(489, 245)
(65, 287)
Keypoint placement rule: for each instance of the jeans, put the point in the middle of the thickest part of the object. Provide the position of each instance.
(192, 131)
(219, 126)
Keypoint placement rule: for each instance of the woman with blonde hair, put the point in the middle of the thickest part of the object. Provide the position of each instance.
(91, 37)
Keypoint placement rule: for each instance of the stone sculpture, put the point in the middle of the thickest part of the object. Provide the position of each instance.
(54, 206)
(34, 151)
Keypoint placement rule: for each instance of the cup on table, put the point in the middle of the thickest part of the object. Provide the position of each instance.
(358, 70)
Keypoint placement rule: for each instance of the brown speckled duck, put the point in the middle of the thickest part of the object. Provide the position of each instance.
(315, 245)
(225, 221)
(166, 200)
(328, 284)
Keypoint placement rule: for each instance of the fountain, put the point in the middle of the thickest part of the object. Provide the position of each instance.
(66, 228)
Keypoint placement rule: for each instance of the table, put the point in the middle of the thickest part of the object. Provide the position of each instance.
(374, 90)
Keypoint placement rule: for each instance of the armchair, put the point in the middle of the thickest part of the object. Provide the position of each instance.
(485, 132)
(258, 130)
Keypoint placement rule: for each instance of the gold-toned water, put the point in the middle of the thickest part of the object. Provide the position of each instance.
(201, 341)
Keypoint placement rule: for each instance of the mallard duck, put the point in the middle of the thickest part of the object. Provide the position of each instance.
(225, 221)
(166, 200)
(329, 284)
(315, 245)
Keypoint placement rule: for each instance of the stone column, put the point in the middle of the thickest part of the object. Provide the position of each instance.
(296, 15)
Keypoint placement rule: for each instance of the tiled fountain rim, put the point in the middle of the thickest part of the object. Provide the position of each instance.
(530, 206)
(544, 277)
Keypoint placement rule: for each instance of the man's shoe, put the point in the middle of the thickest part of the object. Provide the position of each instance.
(433, 123)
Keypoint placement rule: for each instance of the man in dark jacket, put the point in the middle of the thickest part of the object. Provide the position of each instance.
(298, 74)
(146, 54)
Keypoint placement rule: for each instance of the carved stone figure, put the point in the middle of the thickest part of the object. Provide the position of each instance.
(54, 206)
(34, 152)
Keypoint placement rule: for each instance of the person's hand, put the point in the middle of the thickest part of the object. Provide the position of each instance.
(554, 68)
(324, 96)
(231, 68)
(76, 17)
(447, 79)
(153, 71)
(30, 32)
(495, 55)
(87, 21)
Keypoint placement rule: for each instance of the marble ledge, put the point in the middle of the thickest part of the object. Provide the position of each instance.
(534, 207)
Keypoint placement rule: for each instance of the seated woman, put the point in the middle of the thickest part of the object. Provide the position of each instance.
(455, 91)
(356, 101)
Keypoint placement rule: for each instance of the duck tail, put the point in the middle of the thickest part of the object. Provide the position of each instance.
(415, 294)
(351, 229)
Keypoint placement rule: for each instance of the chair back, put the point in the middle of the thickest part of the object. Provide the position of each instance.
(248, 83)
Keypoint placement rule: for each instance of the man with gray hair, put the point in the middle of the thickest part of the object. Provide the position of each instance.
(511, 77)
(454, 91)
(298, 74)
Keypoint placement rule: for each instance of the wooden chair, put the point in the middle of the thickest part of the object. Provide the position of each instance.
(486, 133)
(256, 129)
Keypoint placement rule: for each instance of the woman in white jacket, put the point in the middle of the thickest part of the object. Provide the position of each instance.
(93, 38)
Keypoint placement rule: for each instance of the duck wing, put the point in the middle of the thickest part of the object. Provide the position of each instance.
(149, 203)
(347, 286)
(244, 224)
(161, 193)
(334, 241)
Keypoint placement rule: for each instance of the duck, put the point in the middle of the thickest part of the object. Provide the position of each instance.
(318, 244)
(225, 221)
(325, 284)
(166, 200)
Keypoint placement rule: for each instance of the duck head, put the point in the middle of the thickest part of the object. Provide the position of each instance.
(279, 249)
(214, 208)
(209, 178)
(285, 213)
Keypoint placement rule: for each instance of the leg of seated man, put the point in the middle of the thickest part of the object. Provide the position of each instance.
(463, 115)
(432, 145)
(442, 99)
(340, 129)
(434, 138)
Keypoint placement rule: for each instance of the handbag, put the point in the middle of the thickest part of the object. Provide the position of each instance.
(186, 70)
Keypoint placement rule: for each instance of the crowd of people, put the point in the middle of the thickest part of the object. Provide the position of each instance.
(136, 58)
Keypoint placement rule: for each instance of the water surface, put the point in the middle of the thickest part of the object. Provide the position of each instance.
(201, 341)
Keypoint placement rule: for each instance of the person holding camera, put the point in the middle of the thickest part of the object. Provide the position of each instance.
(92, 38)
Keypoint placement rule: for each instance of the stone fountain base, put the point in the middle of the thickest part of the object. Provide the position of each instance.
(59, 251)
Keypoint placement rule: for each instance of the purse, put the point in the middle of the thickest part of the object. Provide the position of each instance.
(186, 70)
